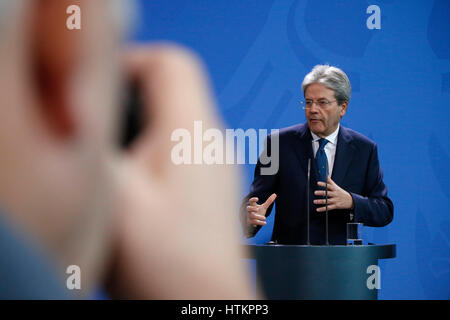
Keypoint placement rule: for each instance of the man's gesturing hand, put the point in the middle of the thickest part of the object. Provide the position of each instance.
(338, 198)
(256, 213)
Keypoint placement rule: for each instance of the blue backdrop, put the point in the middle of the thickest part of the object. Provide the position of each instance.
(257, 53)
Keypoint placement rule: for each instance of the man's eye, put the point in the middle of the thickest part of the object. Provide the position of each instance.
(323, 103)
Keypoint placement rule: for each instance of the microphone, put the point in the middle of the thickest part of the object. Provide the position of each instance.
(326, 204)
(307, 202)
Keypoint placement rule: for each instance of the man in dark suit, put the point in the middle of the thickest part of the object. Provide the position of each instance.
(356, 191)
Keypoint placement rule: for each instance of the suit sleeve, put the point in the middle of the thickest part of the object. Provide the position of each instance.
(373, 208)
(262, 187)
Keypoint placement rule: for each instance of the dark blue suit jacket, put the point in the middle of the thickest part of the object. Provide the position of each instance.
(356, 169)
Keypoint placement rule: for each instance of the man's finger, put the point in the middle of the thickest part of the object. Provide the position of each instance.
(319, 193)
(269, 201)
(252, 209)
(324, 201)
(255, 216)
(324, 185)
(253, 201)
(330, 182)
(322, 193)
(256, 222)
(323, 209)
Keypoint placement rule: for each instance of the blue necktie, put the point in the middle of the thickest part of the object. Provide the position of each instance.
(321, 161)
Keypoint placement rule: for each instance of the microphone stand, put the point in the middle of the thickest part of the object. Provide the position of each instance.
(307, 202)
(326, 205)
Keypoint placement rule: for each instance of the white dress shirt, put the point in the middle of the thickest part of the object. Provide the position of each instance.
(330, 147)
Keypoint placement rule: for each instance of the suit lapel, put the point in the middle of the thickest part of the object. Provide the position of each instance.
(303, 149)
(345, 152)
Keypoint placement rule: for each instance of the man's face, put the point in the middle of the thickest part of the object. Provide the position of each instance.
(323, 121)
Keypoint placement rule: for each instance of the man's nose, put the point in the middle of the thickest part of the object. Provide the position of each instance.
(314, 108)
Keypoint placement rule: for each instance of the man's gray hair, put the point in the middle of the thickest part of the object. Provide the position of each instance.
(332, 78)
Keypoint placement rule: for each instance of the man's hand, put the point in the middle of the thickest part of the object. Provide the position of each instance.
(338, 198)
(256, 213)
(175, 237)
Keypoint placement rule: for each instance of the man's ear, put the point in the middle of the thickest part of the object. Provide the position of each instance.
(344, 106)
(54, 54)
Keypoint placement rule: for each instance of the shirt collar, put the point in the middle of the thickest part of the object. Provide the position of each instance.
(332, 138)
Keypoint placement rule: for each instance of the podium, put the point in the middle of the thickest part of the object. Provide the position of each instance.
(318, 272)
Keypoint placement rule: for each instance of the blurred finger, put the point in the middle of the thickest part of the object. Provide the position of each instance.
(175, 93)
